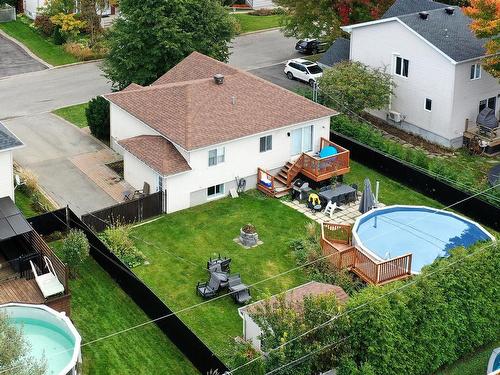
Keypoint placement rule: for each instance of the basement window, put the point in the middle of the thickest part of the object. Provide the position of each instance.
(428, 104)
(215, 191)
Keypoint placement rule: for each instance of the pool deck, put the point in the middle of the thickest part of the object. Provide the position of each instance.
(22, 291)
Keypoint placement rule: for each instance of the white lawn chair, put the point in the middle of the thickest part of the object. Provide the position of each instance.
(331, 207)
(48, 283)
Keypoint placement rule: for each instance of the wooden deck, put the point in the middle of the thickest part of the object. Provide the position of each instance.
(20, 290)
(336, 244)
(313, 167)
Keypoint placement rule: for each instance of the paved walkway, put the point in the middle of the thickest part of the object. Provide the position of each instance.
(346, 216)
(14, 60)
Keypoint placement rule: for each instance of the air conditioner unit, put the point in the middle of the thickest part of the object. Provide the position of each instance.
(394, 116)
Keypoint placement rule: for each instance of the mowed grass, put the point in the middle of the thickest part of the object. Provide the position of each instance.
(98, 308)
(42, 47)
(250, 23)
(74, 114)
(179, 245)
(473, 364)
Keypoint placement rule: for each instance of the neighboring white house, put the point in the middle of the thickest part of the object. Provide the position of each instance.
(204, 124)
(8, 143)
(435, 61)
(260, 4)
(294, 297)
(31, 8)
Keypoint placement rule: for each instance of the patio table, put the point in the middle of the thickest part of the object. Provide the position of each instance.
(339, 194)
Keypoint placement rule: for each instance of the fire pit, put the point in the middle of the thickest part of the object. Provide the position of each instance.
(249, 236)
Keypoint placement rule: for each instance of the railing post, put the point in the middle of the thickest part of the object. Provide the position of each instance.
(378, 273)
(409, 264)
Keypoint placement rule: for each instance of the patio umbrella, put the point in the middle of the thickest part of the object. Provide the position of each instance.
(367, 200)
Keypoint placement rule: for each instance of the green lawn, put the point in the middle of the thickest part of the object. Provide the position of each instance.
(74, 114)
(182, 243)
(474, 364)
(98, 308)
(250, 23)
(40, 46)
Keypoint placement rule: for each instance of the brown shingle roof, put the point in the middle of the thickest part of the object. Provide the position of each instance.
(156, 152)
(296, 295)
(196, 112)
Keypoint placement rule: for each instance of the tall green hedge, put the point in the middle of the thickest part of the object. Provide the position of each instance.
(431, 323)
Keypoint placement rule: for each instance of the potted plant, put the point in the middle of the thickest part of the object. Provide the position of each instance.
(248, 235)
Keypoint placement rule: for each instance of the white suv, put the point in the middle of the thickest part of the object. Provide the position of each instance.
(303, 70)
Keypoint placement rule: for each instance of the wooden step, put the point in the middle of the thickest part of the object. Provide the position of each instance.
(283, 175)
(282, 193)
(280, 179)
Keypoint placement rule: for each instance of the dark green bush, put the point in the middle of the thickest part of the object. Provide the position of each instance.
(450, 311)
(58, 37)
(97, 115)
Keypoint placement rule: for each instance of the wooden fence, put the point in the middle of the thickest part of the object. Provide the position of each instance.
(127, 212)
(336, 244)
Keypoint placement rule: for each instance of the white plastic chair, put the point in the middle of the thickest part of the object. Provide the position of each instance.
(331, 207)
(48, 283)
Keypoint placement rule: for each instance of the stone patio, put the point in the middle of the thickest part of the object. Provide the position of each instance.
(346, 216)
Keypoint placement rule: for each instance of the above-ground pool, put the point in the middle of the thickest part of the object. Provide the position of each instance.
(50, 334)
(425, 232)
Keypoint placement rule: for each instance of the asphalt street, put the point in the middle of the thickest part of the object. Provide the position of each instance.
(14, 60)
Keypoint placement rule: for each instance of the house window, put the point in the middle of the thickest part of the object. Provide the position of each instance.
(216, 156)
(475, 71)
(266, 143)
(402, 66)
(428, 104)
(302, 140)
(215, 191)
(490, 103)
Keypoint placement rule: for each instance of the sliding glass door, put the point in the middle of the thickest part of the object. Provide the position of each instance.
(302, 140)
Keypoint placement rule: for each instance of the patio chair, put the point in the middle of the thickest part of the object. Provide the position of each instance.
(48, 283)
(325, 188)
(331, 207)
(141, 193)
(208, 289)
(223, 264)
(239, 291)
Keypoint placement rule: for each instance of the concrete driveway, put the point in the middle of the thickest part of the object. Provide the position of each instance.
(261, 49)
(14, 60)
(50, 144)
(47, 90)
(275, 74)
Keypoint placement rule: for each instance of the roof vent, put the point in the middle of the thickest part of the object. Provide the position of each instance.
(219, 79)
(449, 10)
(423, 15)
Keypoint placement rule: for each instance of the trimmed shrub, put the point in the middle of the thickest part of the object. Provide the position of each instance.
(44, 24)
(118, 240)
(98, 117)
(450, 310)
(58, 37)
(75, 250)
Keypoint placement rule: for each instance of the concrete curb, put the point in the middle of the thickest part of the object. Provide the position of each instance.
(259, 31)
(25, 49)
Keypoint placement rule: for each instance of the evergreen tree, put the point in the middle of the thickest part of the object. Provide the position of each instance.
(152, 36)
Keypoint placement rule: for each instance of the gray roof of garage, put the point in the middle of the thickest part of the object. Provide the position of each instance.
(7, 139)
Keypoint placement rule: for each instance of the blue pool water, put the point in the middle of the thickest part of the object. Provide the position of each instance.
(424, 232)
(47, 341)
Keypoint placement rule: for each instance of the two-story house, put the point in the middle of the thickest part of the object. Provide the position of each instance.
(435, 62)
(204, 125)
(8, 143)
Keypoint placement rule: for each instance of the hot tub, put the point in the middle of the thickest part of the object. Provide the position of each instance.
(50, 334)
(427, 233)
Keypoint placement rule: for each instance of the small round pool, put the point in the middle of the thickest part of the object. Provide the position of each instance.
(427, 233)
(50, 334)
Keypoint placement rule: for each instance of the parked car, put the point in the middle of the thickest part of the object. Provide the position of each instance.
(303, 70)
(311, 46)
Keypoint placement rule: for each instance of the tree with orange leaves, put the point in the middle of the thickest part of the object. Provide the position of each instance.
(486, 24)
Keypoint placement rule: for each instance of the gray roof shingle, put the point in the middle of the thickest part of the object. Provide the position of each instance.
(402, 7)
(338, 51)
(449, 33)
(7, 139)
